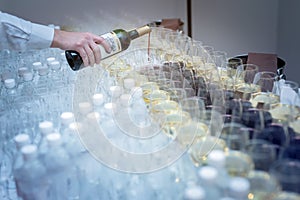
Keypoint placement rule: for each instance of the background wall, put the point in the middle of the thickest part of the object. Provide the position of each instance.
(289, 37)
(95, 15)
(235, 26)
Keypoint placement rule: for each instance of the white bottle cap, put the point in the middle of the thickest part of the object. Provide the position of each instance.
(75, 126)
(50, 59)
(67, 118)
(29, 151)
(93, 116)
(54, 139)
(10, 83)
(55, 65)
(28, 76)
(98, 99)
(216, 158)
(129, 83)
(85, 108)
(194, 193)
(110, 106)
(21, 140)
(36, 65)
(43, 70)
(46, 127)
(115, 91)
(22, 70)
(208, 174)
(239, 187)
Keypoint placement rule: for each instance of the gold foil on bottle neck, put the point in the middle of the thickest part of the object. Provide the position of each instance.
(143, 30)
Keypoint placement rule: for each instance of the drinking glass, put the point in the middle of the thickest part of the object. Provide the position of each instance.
(190, 133)
(172, 120)
(262, 185)
(262, 153)
(288, 92)
(202, 147)
(238, 163)
(287, 172)
(235, 135)
(194, 106)
(243, 81)
(176, 94)
(232, 65)
(265, 80)
(220, 58)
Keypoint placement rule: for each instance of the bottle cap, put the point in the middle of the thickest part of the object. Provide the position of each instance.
(98, 99)
(29, 151)
(54, 139)
(22, 70)
(36, 65)
(85, 108)
(115, 91)
(194, 193)
(129, 83)
(67, 118)
(55, 65)
(10, 83)
(46, 127)
(239, 186)
(93, 116)
(75, 126)
(28, 76)
(110, 106)
(50, 59)
(208, 174)
(43, 70)
(216, 158)
(21, 140)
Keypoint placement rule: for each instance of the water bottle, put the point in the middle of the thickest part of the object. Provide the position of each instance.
(208, 177)
(217, 159)
(20, 140)
(194, 192)
(239, 188)
(61, 173)
(32, 176)
(11, 91)
(45, 128)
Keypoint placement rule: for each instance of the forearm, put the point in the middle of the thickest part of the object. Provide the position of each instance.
(19, 34)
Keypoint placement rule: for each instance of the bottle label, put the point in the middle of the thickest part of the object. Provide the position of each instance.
(113, 41)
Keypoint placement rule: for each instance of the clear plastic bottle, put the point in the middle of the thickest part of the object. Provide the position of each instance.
(28, 89)
(239, 188)
(217, 159)
(45, 128)
(33, 186)
(194, 192)
(20, 140)
(62, 174)
(98, 103)
(11, 91)
(208, 177)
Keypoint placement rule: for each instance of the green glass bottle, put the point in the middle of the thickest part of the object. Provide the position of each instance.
(119, 40)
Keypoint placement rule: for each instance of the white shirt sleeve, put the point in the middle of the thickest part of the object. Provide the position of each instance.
(19, 34)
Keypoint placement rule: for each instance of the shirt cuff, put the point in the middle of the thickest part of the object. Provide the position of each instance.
(41, 36)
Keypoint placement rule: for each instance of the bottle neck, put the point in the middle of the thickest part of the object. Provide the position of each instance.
(138, 32)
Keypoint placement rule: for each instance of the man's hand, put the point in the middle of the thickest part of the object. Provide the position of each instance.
(85, 43)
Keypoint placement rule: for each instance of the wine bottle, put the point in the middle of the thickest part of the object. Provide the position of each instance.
(119, 40)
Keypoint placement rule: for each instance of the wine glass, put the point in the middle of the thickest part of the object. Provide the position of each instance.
(243, 81)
